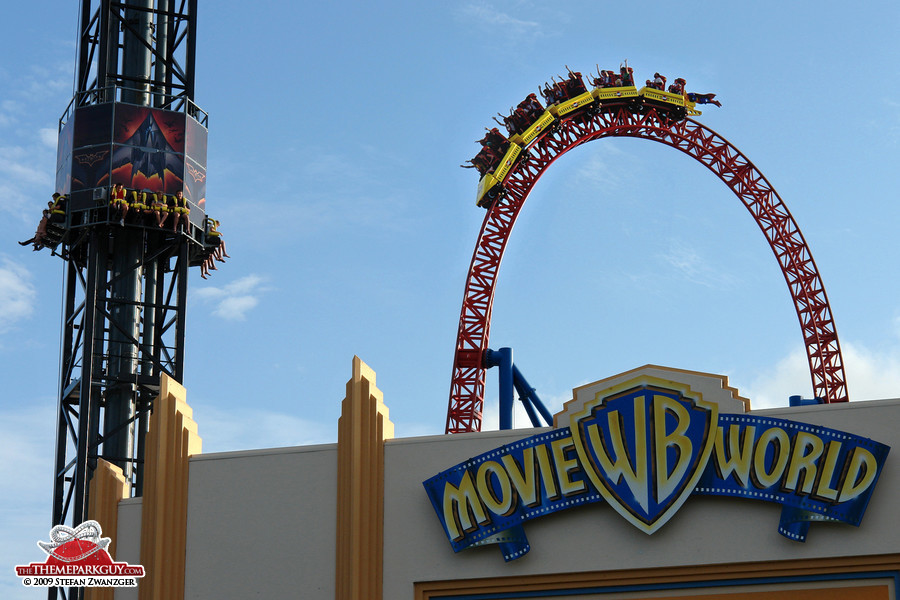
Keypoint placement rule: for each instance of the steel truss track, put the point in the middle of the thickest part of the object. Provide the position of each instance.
(715, 153)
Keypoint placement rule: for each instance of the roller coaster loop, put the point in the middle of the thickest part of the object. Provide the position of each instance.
(709, 148)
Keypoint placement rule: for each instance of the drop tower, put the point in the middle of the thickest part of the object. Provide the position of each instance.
(132, 123)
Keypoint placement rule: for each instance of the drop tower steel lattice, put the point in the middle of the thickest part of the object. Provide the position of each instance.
(133, 121)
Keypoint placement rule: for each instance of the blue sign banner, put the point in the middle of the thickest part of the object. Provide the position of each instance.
(816, 473)
(644, 452)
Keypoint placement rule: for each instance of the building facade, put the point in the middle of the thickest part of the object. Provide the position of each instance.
(613, 502)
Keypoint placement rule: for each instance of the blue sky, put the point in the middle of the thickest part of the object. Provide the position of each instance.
(336, 134)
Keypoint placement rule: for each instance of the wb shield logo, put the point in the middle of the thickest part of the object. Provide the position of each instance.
(644, 448)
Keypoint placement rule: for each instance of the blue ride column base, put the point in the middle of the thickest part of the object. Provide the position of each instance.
(512, 379)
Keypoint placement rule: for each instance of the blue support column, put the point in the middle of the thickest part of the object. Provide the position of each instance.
(801, 401)
(511, 380)
(503, 358)
(529, 398)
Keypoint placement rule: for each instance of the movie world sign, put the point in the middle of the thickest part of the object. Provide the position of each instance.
(643, 451)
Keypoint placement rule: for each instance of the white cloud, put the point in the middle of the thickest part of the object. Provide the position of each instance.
(26, 465)
(27, 153)
(18, 163)
(328, 166)
(17, 295)
(489, 17)
(21, 180)
(871, 375)
(607, 168)
(9, 112)
(49, 137)
(234, 300)
(325, 197)
(413, 429)
(490, 416)
(51, 81)
(234, 308)
(351, 203)
(227, 431)
(695, 267)
(788, 377)
(26, 452)
(892, 123)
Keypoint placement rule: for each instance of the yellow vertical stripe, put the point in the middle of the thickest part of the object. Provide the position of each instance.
(362, 429)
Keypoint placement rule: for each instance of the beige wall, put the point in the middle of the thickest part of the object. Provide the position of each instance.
(261, 524)
(128, 540)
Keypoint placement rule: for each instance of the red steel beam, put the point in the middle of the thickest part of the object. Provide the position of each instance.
(823, 351)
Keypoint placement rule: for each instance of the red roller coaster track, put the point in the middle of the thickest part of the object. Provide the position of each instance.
(719, 156)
